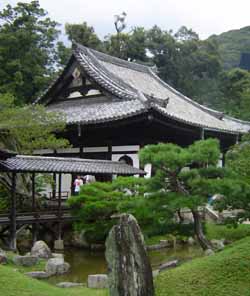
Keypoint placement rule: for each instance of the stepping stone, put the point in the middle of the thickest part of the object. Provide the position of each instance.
(38, 274)
(98, 281)
(68, 285)
(25, 260)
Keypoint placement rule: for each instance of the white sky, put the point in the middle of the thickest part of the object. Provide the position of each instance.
(206, 17)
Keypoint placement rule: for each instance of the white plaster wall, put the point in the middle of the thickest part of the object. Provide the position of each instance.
(148, 170)
(134, 157)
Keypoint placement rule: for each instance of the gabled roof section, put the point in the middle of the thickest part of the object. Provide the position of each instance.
(130, 89)
(44, 164)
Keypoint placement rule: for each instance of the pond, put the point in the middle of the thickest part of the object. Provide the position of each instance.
(84, 262)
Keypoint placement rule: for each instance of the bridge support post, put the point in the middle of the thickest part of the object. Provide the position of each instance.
(35, 225)
(58, 244)
(13, 244)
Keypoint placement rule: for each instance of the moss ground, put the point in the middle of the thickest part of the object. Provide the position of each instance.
(225, 273)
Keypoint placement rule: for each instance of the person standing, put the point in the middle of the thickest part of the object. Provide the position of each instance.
(78, 183)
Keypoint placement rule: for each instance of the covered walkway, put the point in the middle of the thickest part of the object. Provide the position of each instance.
(14, 164)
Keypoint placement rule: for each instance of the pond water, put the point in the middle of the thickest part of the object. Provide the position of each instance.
(84, 262)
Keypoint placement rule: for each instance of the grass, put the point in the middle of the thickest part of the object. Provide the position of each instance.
(13, 282)
(214, 231)
(225, 273)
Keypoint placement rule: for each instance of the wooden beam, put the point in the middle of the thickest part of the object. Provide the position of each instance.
(54, 186)
(59, 206)
(36, 225)
(13, 245)
(33, 192)
(110, 150)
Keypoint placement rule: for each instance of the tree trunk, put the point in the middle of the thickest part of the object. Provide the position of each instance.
(181, 219)
(205, 244)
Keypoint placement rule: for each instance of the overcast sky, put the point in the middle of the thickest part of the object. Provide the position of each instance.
(206, 17)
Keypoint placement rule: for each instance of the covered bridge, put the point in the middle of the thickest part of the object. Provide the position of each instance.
(14, 164)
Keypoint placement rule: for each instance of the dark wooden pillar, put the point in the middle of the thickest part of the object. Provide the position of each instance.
(13, 245)
(35, 225)
(54, 186)
(202, 134)
(80, 141)
(109, 150)
(60, 206)
(33, 192)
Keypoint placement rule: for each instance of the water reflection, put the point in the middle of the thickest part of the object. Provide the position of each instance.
(85, 262)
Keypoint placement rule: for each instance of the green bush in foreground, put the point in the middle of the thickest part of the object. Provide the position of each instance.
(225, 273)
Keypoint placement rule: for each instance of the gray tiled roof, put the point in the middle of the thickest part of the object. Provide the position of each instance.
(97, 110)
(22, 163)
(135, 89)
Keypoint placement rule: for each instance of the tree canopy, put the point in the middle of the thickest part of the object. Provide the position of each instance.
(27, 50)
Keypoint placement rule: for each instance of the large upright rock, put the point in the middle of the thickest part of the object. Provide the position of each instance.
(41, 250)
(129, 270)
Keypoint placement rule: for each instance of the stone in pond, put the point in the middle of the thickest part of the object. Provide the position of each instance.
(169, 264)
(129, 270)
(209, 252)
(57, 255)
(56, 266)
(218, 244)
(3, 257)
(38, 274)
(68, 285)
(191, 241)
(98, 281)
(25, 260)
(41, 250)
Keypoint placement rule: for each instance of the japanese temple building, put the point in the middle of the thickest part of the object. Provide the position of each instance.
(114, 107)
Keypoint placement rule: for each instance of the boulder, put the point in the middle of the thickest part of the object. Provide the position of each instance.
(3, 257)
(41, 250)
(25, 260)
(56, 266)
(129, 269)
(218, 244)
(168, 265)
(57, 255)
(98, 281)
(68, 285)
(38, 274)
(79, 240)
(191, 241)
(209, 252)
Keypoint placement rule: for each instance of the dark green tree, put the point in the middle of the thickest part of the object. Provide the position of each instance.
(83, 34)
(23, 129)
(235, 87)
(27, 50)
(186, 177)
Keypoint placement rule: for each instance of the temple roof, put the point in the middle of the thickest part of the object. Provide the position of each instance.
(130, 89)
(44, 164)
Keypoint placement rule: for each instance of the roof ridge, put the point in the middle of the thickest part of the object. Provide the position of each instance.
(102, 75)
(120, 62)
(74, 159)
(215, 113)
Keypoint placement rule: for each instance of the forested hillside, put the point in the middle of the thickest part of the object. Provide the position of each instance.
(231, 44)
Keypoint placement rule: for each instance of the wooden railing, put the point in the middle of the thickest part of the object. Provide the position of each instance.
(64, 195)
